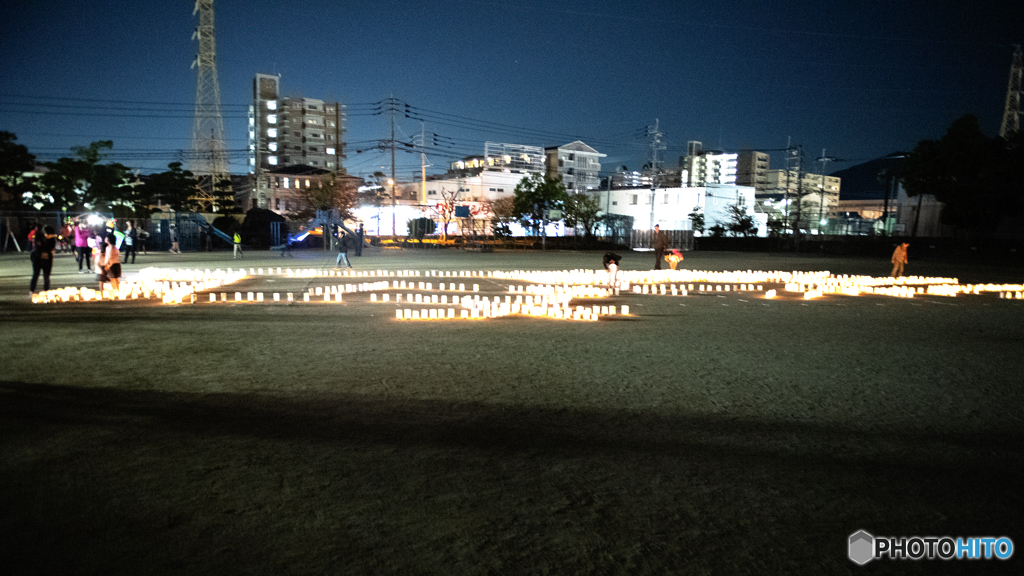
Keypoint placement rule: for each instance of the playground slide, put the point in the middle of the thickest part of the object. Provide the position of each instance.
(209, 227)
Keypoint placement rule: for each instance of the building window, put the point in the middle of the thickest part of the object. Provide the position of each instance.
(307, 182)
(666, 199)
(285, 182)
(271, 118)
(632, 199)
(277, 203)
(272, 160)
(297, 134)
(615, 203)
(271, 104)
(312, 106)
(314, 163)
(272, 132)
(330, 151)
(330, 136)
(331, 123)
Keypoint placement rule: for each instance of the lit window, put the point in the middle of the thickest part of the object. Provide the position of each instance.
(285, 182)
(272, 146)
(272, 132)
(307, 182)
(330, 151)
(271, 104)
(271, 118)
(272, 160)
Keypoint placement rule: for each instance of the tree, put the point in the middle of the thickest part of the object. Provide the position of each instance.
(739, 221)
(15, 161)
(331, 192)
(420, 227)
(82, 182)
(446, 210)
(582, 211)
(534, 196)
(172, 187)
(977, 178)
(502, 215)
(696, 217)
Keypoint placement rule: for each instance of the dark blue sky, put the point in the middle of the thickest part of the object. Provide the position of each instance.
(860, 79)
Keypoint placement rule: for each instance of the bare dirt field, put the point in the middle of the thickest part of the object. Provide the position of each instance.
(716, 433)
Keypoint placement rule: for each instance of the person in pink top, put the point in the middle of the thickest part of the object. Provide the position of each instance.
(82, 250)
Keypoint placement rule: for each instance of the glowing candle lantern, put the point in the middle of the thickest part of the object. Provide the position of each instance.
(398, 313)
(373, 297)
(625, 310)
(305, 297)
(291, 296)
(277, 296)
(462, 287)
(259, 296)
(337, 297)
(769, 294)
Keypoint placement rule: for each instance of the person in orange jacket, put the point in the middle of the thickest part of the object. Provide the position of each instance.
(899, 258)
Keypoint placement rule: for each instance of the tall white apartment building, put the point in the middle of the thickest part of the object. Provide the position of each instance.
(291, 131)
(577, 165)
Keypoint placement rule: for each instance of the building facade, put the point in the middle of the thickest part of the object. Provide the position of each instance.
(752, 170)
(291, 131)
(709, 168)
(577, 165)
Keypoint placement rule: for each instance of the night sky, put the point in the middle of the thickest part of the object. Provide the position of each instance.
(860, 79)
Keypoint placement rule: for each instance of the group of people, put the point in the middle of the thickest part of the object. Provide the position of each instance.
(97, 251)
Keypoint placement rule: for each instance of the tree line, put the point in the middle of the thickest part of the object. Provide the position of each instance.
(84, 181)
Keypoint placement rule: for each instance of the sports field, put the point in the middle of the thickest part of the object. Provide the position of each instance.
(713, 433)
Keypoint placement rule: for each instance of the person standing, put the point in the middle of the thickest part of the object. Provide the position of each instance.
(660, 243)
(174, 241)
(42, 256)
(899, 259)
(82, 249)
(343, 245)
(109, 263)
(202, 239)
(131, 239)
(359, 241)
(237, 238)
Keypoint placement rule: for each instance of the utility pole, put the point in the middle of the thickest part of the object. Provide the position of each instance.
(821, 196)
(394, 181)
(655, 135)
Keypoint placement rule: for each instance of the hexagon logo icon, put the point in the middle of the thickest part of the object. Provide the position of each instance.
(861, 547)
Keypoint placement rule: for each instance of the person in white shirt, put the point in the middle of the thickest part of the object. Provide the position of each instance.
(108, 263)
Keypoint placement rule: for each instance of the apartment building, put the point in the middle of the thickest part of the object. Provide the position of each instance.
(752, 170)
(291, 131)
(577, 165)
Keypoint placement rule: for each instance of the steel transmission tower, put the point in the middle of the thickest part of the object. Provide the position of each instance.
(1011, 112)
(209, 159)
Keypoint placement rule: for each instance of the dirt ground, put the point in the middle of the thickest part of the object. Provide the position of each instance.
(705, 434)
